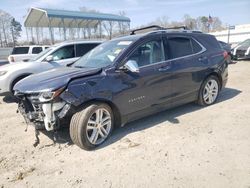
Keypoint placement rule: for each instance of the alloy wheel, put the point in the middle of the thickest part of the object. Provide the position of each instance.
(210, 91)
(98, 126)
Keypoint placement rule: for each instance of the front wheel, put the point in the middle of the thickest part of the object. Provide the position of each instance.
(209, 91)
(91, 126)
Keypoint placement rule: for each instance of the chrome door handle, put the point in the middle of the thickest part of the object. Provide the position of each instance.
(202, 58)
(163, 69)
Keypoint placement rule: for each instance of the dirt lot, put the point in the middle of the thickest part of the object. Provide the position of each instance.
(185, 147)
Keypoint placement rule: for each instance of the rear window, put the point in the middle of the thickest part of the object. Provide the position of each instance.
(82, 49)
(20, 50)
(37, 50)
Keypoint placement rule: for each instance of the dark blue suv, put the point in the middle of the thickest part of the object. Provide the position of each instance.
(123, 80)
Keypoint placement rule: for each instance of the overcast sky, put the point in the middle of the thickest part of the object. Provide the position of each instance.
(143, 11)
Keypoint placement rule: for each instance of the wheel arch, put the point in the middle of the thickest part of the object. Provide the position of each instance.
(217, 75)
(17, 78)
(115, 110)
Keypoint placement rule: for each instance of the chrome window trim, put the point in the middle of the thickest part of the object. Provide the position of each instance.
(203, 49)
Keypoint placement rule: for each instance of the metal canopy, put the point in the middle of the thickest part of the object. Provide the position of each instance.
(42, 17)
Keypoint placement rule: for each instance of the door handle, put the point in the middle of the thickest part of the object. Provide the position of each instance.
(202, 58)
(163, 69)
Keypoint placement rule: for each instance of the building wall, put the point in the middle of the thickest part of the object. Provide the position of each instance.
(239, 34)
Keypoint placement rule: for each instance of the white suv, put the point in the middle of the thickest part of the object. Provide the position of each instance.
(61, 54)
(24, 53)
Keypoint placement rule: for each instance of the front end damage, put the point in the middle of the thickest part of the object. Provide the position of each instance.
(42, 113)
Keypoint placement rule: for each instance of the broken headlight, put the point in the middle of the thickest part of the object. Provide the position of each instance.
(50, 95)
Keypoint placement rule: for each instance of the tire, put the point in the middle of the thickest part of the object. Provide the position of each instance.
(209, 91)
(87, 130)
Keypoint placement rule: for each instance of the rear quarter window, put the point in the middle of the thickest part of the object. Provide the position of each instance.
(20, 50)
(196, 47)
(209, 42)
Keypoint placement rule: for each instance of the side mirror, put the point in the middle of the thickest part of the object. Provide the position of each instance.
(132, 66)
(49, 58)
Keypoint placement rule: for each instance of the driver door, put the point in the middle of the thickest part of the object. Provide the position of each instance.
(144, 89)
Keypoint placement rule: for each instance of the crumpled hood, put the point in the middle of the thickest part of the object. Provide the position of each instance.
(52, 79)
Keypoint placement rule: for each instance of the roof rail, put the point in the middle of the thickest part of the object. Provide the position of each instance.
(144, 28)
(157, 28)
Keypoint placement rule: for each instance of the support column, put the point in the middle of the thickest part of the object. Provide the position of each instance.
(37, 34)
(64, 30)
(51, 32)
(77, 29)
(32, 37)
(27, 33)
(100, 29)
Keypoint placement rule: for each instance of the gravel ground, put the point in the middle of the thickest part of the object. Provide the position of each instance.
(188, 146)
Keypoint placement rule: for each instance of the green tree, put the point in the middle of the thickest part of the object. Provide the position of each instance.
(16, 29)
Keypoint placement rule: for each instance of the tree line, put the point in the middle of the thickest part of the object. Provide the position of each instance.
(10, 30)
(201, 23)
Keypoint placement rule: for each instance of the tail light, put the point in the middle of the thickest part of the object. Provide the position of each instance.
(225, 54)
(12, 59)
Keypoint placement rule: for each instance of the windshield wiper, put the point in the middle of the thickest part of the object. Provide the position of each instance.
(78, 66)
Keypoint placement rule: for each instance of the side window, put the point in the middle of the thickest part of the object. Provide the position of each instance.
(179, 47)
(82, 49)
(148, 53)
(196, 47)
(37, 50)
(20, 50)
(65, 52)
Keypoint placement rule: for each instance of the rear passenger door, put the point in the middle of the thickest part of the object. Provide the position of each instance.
(185, 55)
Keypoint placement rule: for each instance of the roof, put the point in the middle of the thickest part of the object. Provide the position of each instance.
(79, 42)
(42, 17)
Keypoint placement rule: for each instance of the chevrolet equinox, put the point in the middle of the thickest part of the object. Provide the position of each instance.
(125, 79)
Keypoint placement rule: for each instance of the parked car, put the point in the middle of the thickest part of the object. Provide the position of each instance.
(227, 48)
(123, 80)
(61, 54)
(3, 62)
(242, 50)
(25, 53)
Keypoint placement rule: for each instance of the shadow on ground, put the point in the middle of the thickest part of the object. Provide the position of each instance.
(8, 99)
(145, 123)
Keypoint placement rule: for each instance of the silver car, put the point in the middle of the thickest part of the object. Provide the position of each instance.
(61, 54)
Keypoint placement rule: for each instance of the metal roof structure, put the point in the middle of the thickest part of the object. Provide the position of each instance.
(43, 17)
(66, 19)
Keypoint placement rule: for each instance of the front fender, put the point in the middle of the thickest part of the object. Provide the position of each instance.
(81, 91)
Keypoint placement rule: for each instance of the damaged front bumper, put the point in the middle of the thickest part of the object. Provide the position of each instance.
(46, 115)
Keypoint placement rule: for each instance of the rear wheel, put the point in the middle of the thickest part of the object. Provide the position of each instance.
(209, 91)
(91, 126)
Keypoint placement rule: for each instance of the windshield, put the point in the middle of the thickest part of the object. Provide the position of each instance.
(245, 43)
(38, 56)
(103, 55)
